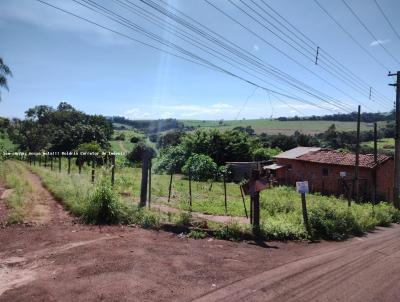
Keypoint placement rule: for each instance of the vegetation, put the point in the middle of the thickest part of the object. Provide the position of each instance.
(18, 201)
(5, 72)
(59, 130)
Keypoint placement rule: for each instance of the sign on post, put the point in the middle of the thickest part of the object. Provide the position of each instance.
(302, 187)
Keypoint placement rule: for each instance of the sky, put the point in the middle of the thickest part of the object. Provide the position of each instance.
(57, 57)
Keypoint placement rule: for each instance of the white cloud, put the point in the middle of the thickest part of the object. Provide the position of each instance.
(379, 42)
(221, 105)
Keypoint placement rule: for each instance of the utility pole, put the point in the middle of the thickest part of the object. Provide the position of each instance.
(357, 168)
(397, 143)
(374, 185)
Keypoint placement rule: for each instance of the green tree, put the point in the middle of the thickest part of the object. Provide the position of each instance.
(201, 167)
(5, 72)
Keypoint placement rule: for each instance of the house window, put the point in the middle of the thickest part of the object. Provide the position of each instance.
(325, 172)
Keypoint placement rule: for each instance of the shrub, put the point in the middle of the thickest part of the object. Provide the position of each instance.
(201, 166)
(232, 231)
(197, 234)
(333, 221)
(170, 160)
(103, 206)
(184, 219)
(261, 154)
(284, 227)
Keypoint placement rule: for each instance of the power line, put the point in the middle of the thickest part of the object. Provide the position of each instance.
(227, 47)
(351, 36)
(106, 12)
(349, 82)
(272, 45)
(312, 45)
(387, 19)
(369, 31)
(206, 63)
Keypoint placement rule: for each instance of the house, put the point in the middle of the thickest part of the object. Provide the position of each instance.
(332, 172)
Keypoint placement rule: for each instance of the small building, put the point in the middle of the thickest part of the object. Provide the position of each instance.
(332, 172)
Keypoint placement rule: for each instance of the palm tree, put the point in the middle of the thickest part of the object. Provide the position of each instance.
(4, 73)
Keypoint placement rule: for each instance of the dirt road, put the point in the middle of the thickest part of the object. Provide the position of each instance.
(61, 260)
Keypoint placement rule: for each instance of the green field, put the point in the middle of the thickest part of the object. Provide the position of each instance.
(275, 126)
(281, 216)
(385, 145)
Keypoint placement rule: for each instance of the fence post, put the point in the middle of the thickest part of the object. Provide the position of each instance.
(93, 167)
(244, 201)
(170, 187)
(59, 163)
(51, 162)
(255, 202)
(149, 182)
(225, 199)
(143, 185)
(112, 170)
(69, 164)
(190, 188)
(305, 214)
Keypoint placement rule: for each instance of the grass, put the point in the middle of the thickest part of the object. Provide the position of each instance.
(12, 173)
(384, 144)
(281, 215)
(274, 126)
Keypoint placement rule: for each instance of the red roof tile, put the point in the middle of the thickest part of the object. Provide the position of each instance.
(341, 158)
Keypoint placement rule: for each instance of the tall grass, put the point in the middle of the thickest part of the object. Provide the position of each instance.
(281, 214)
(13, 174)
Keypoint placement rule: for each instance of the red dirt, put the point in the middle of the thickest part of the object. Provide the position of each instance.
(72, 262)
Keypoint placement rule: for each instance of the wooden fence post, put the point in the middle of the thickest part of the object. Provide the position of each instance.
(190, 188)
(305, 214)
(59, 163)
(170, 187)
(225, 199)
(51, 162)
(149, 183)
(112, 170)
(255, 202)
(244, 201)
(93, 167)
(69, 164)
(143, 185)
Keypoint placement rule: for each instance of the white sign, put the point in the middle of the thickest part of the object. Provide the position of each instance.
(342, 174)
(302, 187)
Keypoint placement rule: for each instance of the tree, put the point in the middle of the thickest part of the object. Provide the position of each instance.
(201, 167)
(5, 72)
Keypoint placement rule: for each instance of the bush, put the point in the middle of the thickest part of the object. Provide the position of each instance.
(284, 227)
(333, 221)
(170, 160)
(103, 206)
(261, 154)
(201, 167)
(197, 234)
(232, 231)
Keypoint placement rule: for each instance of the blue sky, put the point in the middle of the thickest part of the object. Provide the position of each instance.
(56, 57)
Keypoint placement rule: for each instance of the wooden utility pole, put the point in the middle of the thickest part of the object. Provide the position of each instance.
(396, 201)
(357, 164)
(112, 169)
(374, 180)
(255, 202)
(145, 176)
(149, 183)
